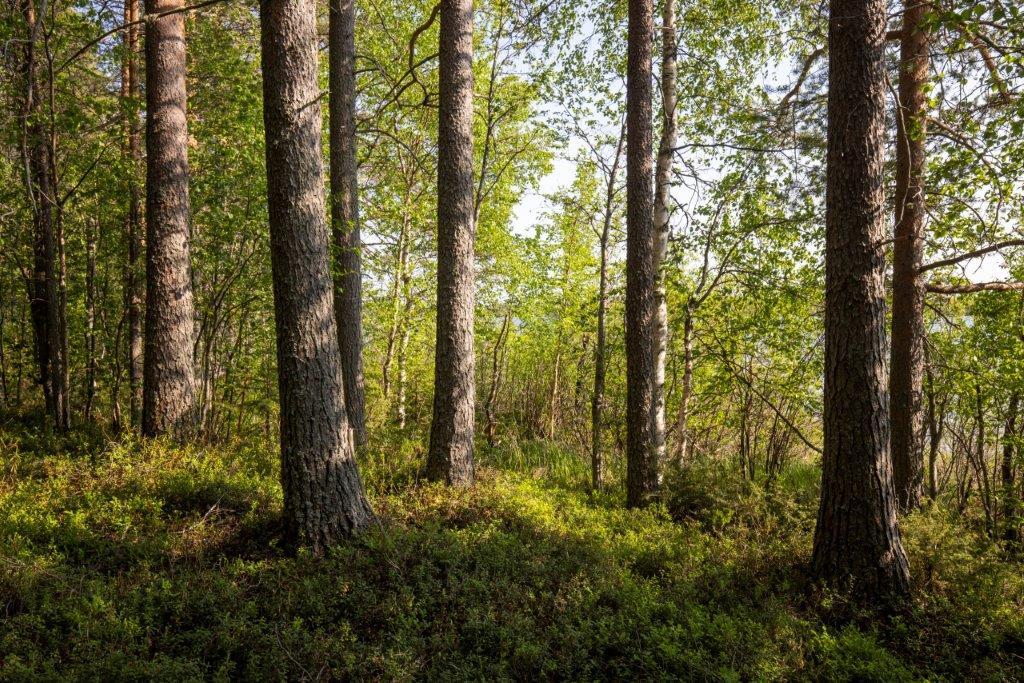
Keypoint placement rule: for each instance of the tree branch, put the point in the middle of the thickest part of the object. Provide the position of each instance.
(953, 260)
(973, 287)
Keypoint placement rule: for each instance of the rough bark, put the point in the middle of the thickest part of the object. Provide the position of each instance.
(168, 403)
(662, 212)
(348, 298)
(641, 305)
(133, 280)
(857, 540)
(450, 456)
(908, 331)
(323, 495)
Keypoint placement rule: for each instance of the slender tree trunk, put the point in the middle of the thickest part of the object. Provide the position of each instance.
(396, 298)
(641, 304)
(662, 212)
(134, 281)
(600, 347)
(907, 353)
(935, 429)
(1006, 471)
(90, 320)
(492, 395)
(323, 495)
(553, 393)
(40, 183)
(169, 394)
(857, 539)
(450, 457)
(403, 349)
(348, 287)
(682, 454)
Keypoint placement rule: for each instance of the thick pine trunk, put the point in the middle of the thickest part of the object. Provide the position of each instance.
(450, 457)
(168, 404)
(662, 212)
(323, 495)
(857, 539)
(348, 297)
(641, 303)
(908, 333)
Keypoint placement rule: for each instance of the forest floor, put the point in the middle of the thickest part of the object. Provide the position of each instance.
(121, 561)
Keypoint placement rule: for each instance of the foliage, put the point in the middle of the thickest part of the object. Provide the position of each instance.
(127, 561)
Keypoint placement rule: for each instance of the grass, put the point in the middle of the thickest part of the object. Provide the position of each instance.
(128, 561)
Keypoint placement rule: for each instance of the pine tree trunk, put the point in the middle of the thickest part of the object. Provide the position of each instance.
(348, 298)
(168, 405)
(323, 495)
(908, 332)
(641, 304)
(857, 539)
(450, 457)
(662, 212)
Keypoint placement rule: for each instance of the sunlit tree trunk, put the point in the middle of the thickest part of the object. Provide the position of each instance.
(169, 393)
(908, 332)
(662, 212)
(857, 539)
(450, 456)
(641, 304)
(323, 495)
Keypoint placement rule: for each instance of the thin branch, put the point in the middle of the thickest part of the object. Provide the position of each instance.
(974, 287)
(953, 260)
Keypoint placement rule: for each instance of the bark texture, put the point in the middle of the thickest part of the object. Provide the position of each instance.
(662, 212)
(906, 380)
(323, 495)
(450, 457)
(348, 287)
(857, 540)
(641, 304)
(168, 402)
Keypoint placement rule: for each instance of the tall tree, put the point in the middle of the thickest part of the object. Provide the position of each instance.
(641, 304)
(857, 538)
(348, 287)
(323, 495)
(133, 283)
(168, 402)
(450, 457)
(46, 286)
(906, 380)
(662, 212)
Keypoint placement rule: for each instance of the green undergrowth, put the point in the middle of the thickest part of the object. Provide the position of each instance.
(129, 561)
